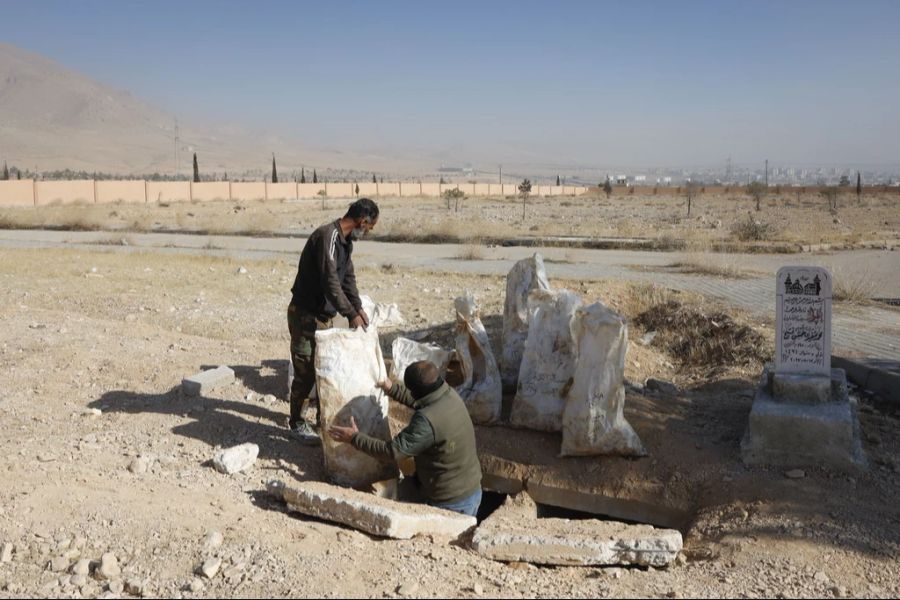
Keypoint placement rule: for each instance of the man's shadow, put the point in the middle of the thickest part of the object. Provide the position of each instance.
(223, 424)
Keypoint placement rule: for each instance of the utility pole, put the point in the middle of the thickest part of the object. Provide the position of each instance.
(501, 174)
(767, 172)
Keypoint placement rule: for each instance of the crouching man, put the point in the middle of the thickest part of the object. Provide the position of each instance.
(440, 439)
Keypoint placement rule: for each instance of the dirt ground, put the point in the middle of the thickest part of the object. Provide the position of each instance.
(104, 454)
(788, 217)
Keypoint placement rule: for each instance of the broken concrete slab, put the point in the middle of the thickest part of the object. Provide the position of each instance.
(369, 513)
(204, 381)
(515, 534)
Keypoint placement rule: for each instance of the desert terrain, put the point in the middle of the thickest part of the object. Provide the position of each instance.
(106, 455)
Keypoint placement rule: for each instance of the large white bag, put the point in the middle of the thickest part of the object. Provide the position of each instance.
(593, 420)
(405, 352)
(481, 390)
(526, 276)
(348, 365)
(381, 315)
(548, 362)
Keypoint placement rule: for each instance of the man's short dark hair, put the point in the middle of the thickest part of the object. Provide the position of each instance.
(364, 208)
(421, 378)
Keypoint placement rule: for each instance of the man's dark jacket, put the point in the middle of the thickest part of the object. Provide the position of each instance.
(326, 283)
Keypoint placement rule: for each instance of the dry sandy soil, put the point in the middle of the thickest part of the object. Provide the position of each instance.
(789, 220)
(85, 330)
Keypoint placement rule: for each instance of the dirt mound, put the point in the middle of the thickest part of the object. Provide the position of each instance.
(703, 340)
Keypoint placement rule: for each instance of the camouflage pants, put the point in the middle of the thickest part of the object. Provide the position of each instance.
(302, 327)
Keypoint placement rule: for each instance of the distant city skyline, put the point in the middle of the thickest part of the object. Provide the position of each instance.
(650, 85)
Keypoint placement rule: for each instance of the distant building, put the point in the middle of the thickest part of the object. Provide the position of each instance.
(640, 179)
(621, 179)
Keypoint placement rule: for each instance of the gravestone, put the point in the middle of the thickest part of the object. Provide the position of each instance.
(802, 413)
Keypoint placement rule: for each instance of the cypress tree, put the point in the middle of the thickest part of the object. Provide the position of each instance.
(5, 175)
(196, 170)
(357, 189)
(557, 181)
(858, 187)
(302, 176)
(315, 177)
(373, 178)
(274, 172)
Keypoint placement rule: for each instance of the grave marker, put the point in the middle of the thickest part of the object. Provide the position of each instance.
(803, 313)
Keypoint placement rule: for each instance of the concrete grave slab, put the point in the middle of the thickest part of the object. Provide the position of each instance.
(370, 513)
(204, 381)
(514, 533)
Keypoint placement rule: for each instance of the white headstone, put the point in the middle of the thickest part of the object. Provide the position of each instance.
(803, 329)
(526, 276)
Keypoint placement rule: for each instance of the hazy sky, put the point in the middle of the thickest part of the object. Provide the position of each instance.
(632, 84)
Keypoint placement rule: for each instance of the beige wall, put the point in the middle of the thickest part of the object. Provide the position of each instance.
(556, 190)
(64, 192)
(339, 190)
(211, 190)
(447, 186)
(389, 188)
(431, 189)
(120, 191)
(410, 189)
(481, 189)
(282, 191)
(309, 190)
(168, 191)
(17, 193)
(368, 189)
(495, 189)
(248, 190)
(510, 189)
(468, 188)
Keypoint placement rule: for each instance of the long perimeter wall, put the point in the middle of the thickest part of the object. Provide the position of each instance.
(27, 192)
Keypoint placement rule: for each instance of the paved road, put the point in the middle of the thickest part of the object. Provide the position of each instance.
(869, 331)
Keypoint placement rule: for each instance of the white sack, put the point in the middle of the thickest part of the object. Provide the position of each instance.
(381, 315)
(348, 365)
(405, 352)
(526, 276)
(593, 420)
(548, 361)
(481, 391)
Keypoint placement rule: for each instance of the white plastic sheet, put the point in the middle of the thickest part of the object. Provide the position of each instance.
(593, 419)
(348, 365)
(526, 276)
(548, 361)
(405, 352)
(481, 390)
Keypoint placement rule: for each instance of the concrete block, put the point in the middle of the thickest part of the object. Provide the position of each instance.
(369, 513)
(236, 459)
(204, 381)
(515, 534)
(801, 389)
(792, 434)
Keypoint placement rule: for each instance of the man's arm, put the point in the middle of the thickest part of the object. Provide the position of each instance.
(399, 392)
(415, 438)
(331, 284)
(349, 286)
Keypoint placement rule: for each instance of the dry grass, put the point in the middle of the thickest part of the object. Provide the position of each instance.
(472, 252)
(753, 230)
(855, 287)
(641, 297)
(710, 265)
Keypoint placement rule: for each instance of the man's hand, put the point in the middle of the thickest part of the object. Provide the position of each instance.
(343, 434)
(359, 321)
(385, 385)
(365, 318)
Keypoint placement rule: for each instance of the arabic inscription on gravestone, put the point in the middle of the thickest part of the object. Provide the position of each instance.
(803, 330)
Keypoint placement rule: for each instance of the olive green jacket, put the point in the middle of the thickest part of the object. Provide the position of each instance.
(440, 438)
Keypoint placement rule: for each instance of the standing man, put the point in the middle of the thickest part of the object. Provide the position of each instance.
(440, 438)
(325, 286)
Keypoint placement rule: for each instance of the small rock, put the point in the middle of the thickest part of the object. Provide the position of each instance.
(212, 541)
(64, 580)
(241, 270)
(681, 559)
(139, 465)
(135, 587)
(60, 563)
(672, 594)
(91, 412)
(821, 577)
(250, 397)
(6, 553)
(269, 398)
(648, 338)
(478, 589)
(78, 580)
(197, 585)
(660, 385)
(116, 586)
(408, 589)
(109, 567)
(210, 567)
(82, 567)
(236, 459)
(795, 474)
(839, 591)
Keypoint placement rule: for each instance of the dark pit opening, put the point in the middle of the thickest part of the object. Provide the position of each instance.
(548, 511)
(490, 502)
